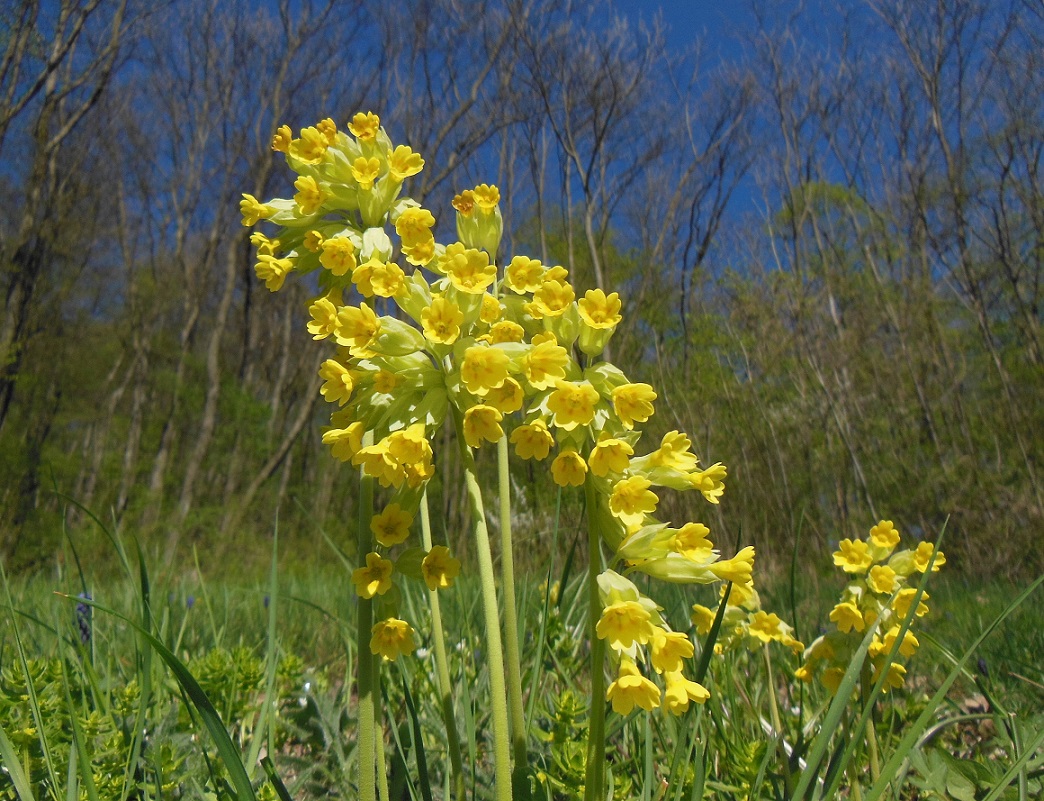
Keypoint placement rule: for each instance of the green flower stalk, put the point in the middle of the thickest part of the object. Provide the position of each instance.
(365, 670)
(498, 690)
(507, 583)
(442, 663)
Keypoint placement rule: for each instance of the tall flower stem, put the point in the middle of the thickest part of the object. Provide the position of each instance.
(366, 742)
(442, 665)
(494, 646)
(507, 585)
(595, 774)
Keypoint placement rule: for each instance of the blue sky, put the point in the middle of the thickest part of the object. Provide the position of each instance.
(717, 22)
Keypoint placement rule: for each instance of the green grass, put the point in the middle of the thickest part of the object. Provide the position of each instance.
(273, 658)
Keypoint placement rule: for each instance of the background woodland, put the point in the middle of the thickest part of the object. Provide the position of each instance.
(830, 245)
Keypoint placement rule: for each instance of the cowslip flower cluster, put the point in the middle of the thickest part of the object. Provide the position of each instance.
(425, 331)
(882, 589)
(744, 624)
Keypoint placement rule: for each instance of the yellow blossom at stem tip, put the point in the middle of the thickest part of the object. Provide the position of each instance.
(375, 578)
(439, 568)
(391, 526)
(392, 638)
(632, 689)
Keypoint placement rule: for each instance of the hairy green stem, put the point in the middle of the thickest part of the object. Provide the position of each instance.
(507, 584)
(494, 646)
(777, 726)
(442, 665)
(594, 779)
(382, 766)
(366, 742)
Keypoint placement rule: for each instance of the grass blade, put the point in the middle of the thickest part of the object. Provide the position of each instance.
(277, 783)
(14, 768)
(211, 720)
(712, 637)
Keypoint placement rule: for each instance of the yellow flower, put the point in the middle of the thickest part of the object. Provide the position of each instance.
(486, 197)
(765, 626)
(853, 556)
(364, 126)
(506, 331)
(904, 598)
(908, 647)
(625, 623)
(441, 321)
(337, 255)
(464, 203)
(375, 578)
(737, 569)
(507, 397)
(365, 171)
(669, 648)
(483, 369)
(338, 382)
(310, 196)
(568, 469)
(545, 364)
(392, 638)
(803, 673)
(253, 210)
(923, 555)
(391, 526)
(404, 163)
(385, 382)
(551, 299)
(410, 445)
(481, 424)
(378, 461)
(896, 675)
(633, 403)
(847, 617)
(832, 678)
(384, 279)
(264, 245)
(702, 618)
(710, 481)
(323, 312)
(532, 441)
(631, 500)
(468, 269)
(609, 456)
(881, 580)
(692, 543)
(884, 535)
(439, 568)
(414, 229)
(490, 310)
(680, 691)
(357, 327)
(328, 128)
(273, 271)
(281, 139)
(598, 310)
(572, 404)
(524, 275)
(310, 148)
(632, 689)
(674, 452)
(344, 442)
(313, 241)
